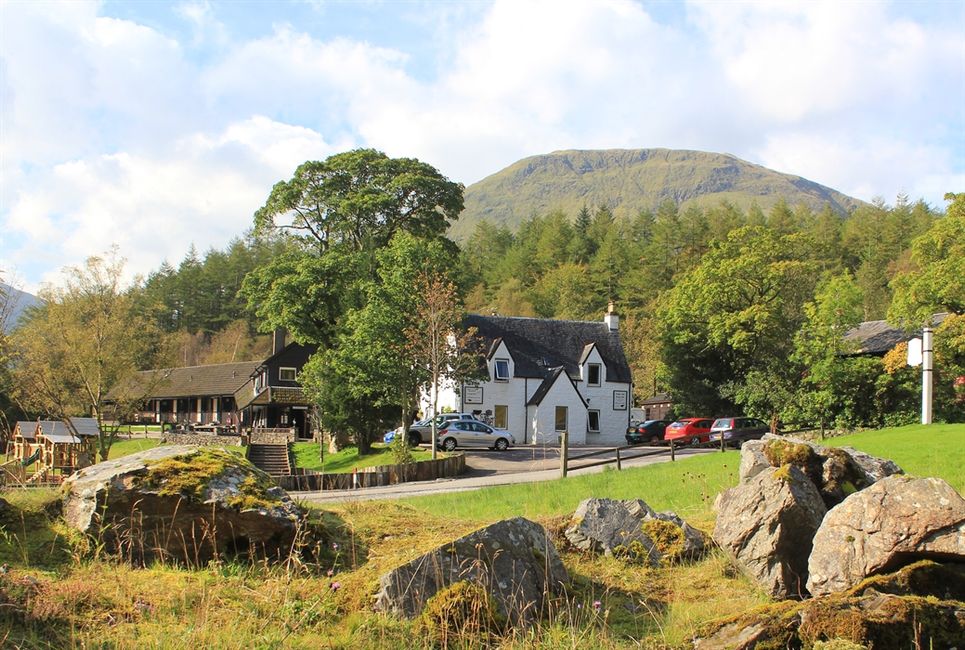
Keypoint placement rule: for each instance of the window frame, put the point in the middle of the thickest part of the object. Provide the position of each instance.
(496, 375)
(505, 418)
(589, 374)
(294, 373)
(566, 418)
(589, 420)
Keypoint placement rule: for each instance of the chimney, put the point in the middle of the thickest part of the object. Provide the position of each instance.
(278, 340)
(611, 318)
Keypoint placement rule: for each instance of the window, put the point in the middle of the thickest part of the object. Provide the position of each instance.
(561, 413)
(593, 374)
(286, 374)
(594, 421)
(501, 417)
(501, 370)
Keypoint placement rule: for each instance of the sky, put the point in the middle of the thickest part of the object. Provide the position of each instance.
(155, 126)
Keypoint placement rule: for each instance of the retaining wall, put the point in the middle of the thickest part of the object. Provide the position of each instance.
(202, 439)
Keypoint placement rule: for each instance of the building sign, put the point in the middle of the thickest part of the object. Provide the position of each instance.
(472, 394)
(619, 400)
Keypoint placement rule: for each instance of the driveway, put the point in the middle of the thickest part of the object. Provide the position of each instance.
(486, 468)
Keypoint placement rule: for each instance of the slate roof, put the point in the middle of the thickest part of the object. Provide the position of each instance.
(28, 430)
(539, 345)
(659, 398)
(877, 337)
(200, 381)
(57, 431)
(548, 382)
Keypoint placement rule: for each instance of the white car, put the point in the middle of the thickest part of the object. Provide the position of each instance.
(421, 431)
(472, 433)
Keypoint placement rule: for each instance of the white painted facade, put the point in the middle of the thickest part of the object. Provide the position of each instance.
(503, 399)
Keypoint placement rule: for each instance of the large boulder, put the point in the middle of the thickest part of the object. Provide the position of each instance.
(632, 530)
(836, 472)
(513, 560)
(767, 524)
(182, 503)
(893, 522)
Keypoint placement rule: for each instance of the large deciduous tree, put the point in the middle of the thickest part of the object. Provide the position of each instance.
(77, 353)
(361, 198)
(733, 317)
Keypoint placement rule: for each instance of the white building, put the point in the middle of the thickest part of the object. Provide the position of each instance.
(546, 376)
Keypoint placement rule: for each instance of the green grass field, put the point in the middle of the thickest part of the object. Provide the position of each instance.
(307, 456)
(124, 446)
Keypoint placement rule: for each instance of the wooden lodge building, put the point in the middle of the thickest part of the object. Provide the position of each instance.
(233, 396)
(52, 446)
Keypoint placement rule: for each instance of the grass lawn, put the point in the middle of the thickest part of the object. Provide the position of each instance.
(124, 447)
(307, 456)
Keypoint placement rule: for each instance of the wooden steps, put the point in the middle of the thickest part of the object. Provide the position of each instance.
(273, 459)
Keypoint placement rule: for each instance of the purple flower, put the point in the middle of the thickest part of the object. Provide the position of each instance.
(597, 605)
(335, 586)
(334, 546)
(330, 573)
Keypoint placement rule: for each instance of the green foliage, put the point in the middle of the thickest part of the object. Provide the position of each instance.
(936, 281)
(360, 199)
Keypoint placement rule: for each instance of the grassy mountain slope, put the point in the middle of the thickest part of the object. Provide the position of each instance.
(629, 180)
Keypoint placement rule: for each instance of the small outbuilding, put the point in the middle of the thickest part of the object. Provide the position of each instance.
(54, 447)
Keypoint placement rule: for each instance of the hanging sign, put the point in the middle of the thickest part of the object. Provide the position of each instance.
(914, 352)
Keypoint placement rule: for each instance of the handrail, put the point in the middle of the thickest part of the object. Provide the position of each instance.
(618, 460)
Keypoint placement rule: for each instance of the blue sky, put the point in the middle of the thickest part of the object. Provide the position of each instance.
(157, 125)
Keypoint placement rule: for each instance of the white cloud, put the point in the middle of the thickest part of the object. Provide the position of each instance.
(203, 190)
(116, 131)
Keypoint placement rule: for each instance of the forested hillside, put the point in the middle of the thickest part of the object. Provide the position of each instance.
(630, 180)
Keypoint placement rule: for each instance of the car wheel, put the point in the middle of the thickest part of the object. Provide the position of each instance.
(502, 444)
(449, 444)
(415, 440)
(695, 442)
(654, 440)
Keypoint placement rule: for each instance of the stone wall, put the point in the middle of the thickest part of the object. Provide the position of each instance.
(273, 437)
(202, 439)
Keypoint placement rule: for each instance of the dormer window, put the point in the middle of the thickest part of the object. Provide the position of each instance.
(501, 370)
(593, 374)
(286, 374)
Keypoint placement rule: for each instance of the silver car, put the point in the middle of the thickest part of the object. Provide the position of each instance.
(471, 433)
(421, 431)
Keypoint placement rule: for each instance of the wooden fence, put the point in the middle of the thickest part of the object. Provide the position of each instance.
(424, 470)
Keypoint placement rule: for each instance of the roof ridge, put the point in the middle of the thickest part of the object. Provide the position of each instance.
(204, 365)
(557, 320)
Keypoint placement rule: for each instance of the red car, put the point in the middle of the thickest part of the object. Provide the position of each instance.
(689, 431)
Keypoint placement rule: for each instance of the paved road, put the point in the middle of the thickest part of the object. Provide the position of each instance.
(486, 468)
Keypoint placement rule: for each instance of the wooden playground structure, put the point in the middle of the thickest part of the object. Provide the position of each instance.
(47, 451)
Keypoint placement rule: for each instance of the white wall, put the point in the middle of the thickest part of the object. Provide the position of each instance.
(613, 423)
(562, 393)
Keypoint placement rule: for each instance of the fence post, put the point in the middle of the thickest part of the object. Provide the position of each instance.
(564, 451)
(673, 455)
(619, 464)
(722, 446)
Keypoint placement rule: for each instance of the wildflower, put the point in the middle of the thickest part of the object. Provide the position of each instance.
(597, 605)
(334, 546)
(335, 586)
(330, 573)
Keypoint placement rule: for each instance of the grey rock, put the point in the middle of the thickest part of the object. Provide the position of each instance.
(874, 468)
(513, 559)
(836, 472)
(753, 460)
(734, 636)
(767, 524)
(622, 528)
(181, 503)
(893, 522)
(611, 526)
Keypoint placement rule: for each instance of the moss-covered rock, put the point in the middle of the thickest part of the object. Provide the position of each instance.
(180, 502)
(462, 615)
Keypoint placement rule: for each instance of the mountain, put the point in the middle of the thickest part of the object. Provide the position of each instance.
(628, 180)
(18, 302)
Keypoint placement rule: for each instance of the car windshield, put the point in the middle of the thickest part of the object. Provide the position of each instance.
(678, 425)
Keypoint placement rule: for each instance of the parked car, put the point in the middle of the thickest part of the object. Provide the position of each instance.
(647, 431)
(472, 433)
(736, 430)
(689, 431)
(421, 431)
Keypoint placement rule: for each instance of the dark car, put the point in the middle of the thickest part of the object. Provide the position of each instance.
(647, 431)
(738, 429)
